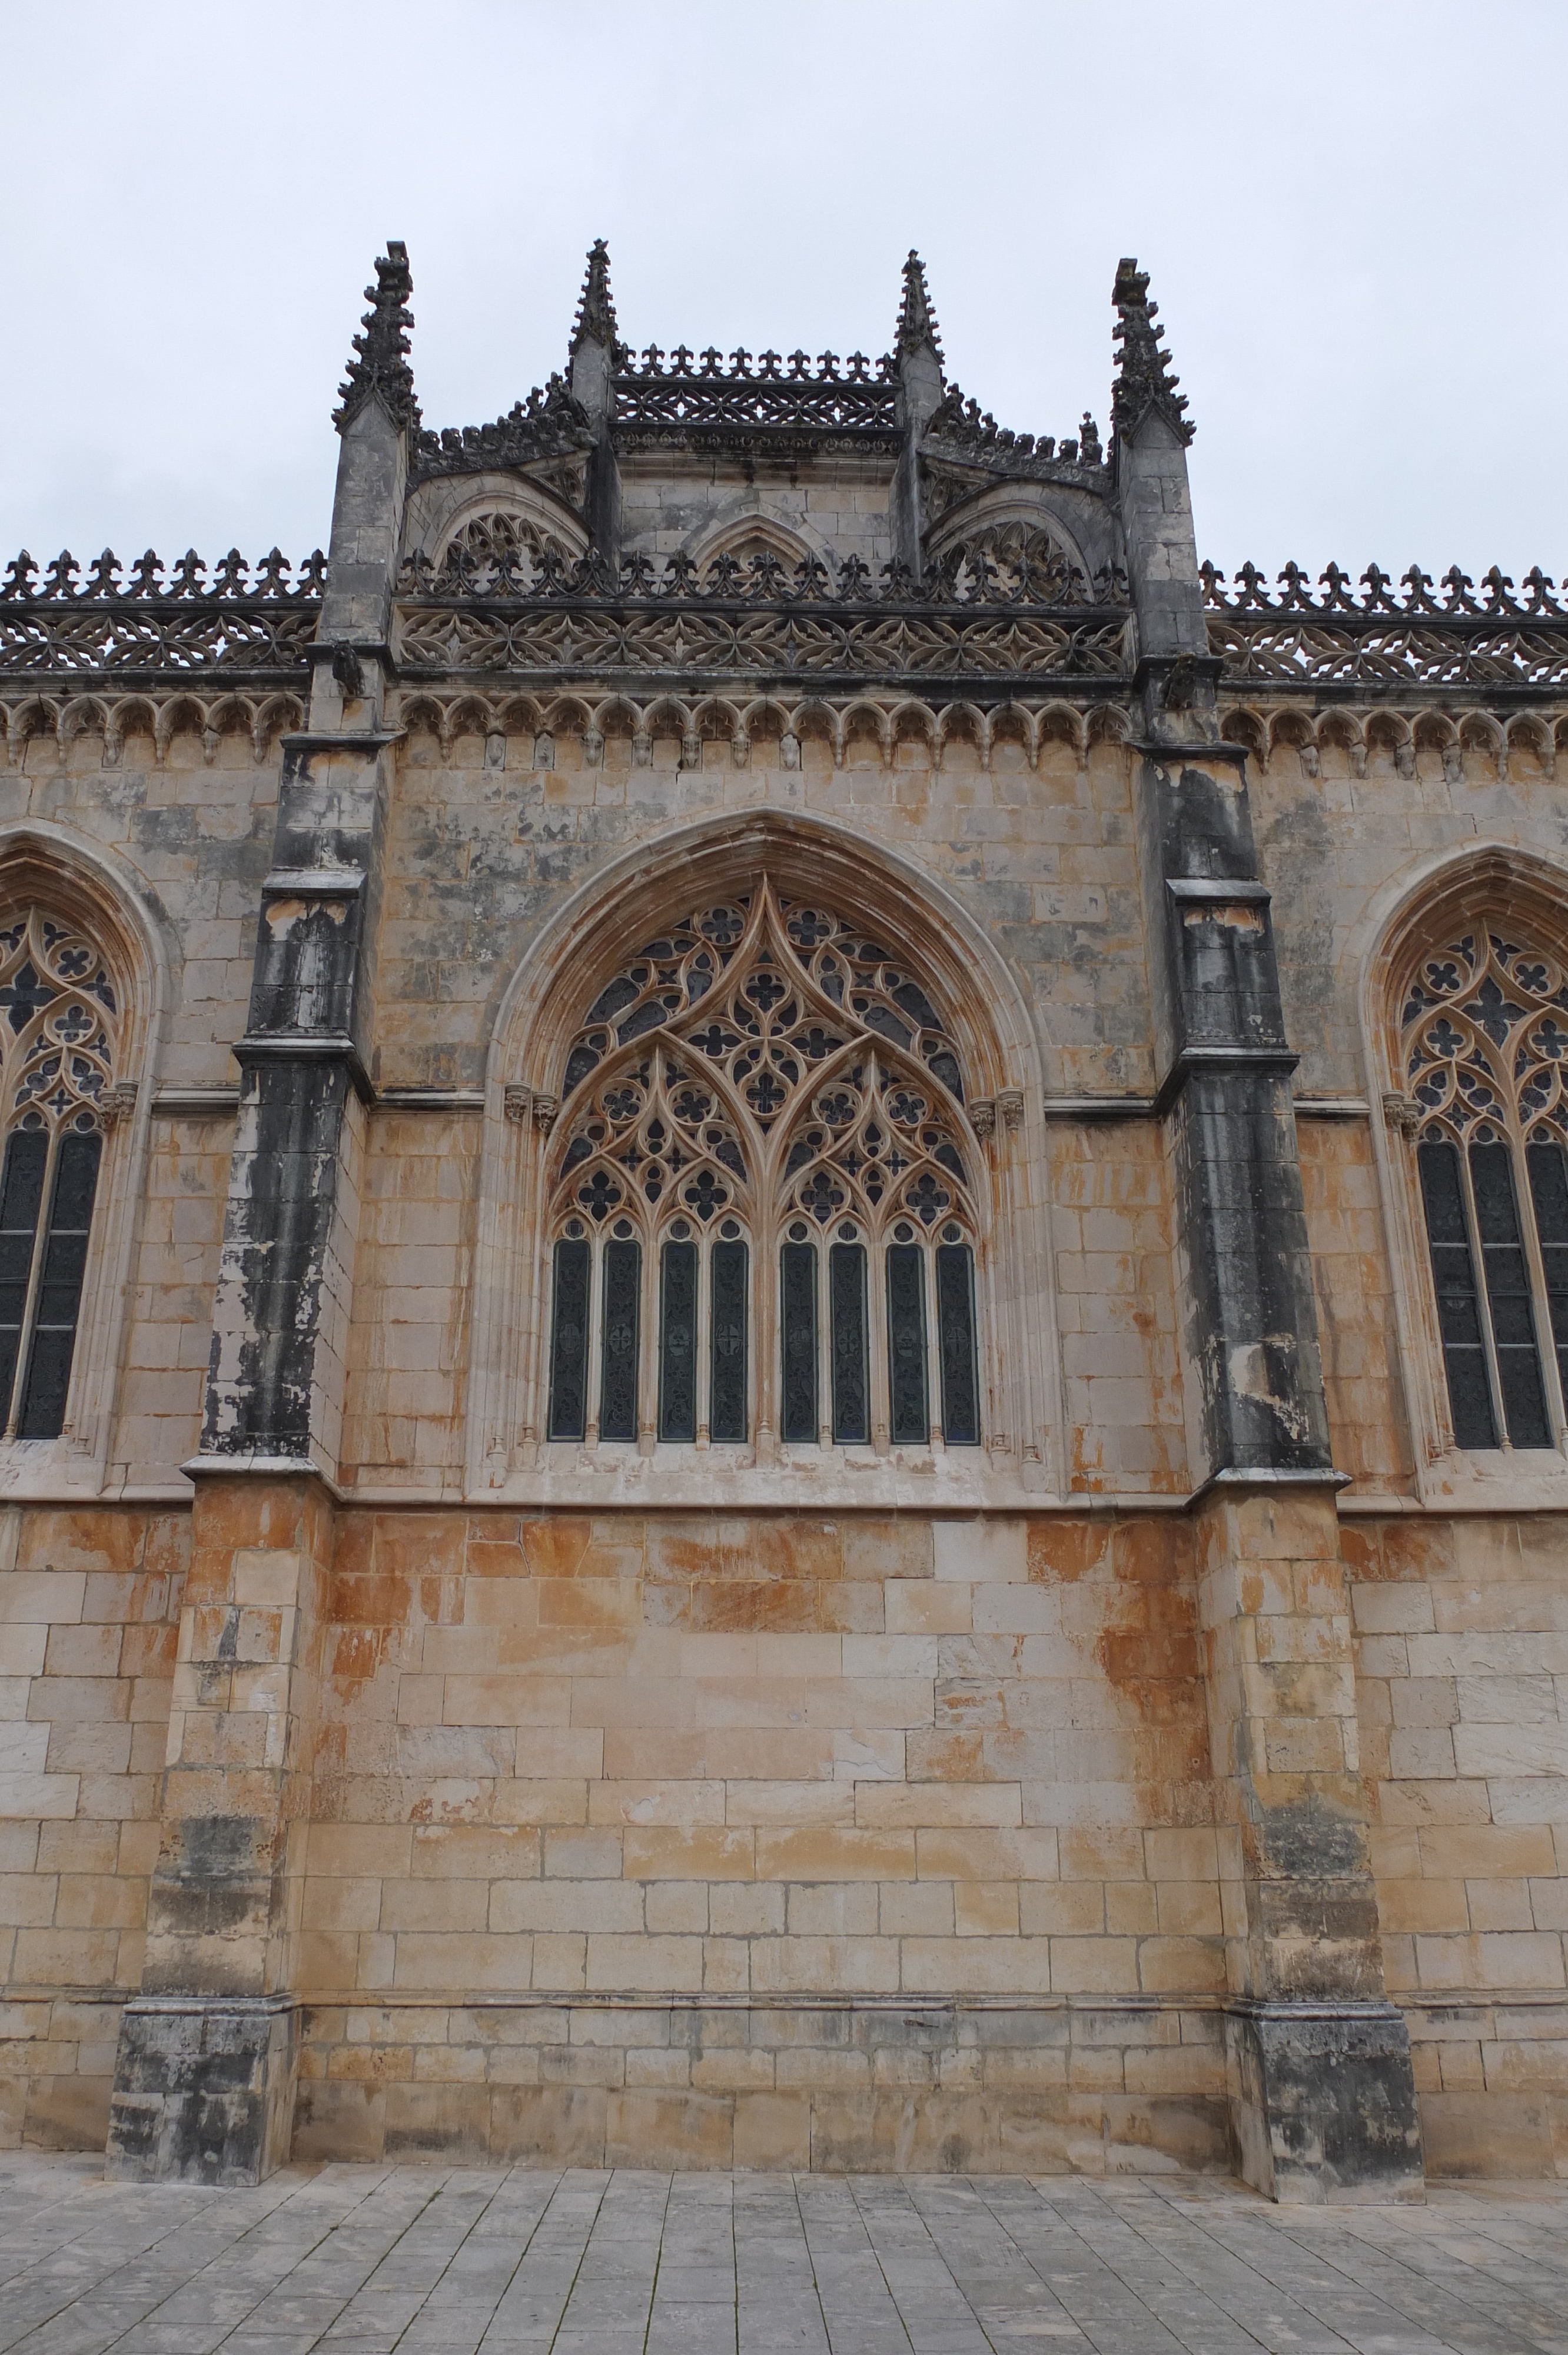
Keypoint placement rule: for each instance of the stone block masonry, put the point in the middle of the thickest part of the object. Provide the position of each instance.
(781, 1255)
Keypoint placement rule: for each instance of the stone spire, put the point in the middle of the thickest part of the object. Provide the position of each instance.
(917, 330)
(917, 361)
(591, 377)
(379, 369)
(1145, 378)
(595, 321)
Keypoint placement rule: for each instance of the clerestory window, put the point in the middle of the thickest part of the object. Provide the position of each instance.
(764, 1208)
(1483, 1035)
(57, 1025)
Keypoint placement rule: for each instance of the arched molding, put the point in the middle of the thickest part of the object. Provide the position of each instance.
(1408, 915)
(45, 864)
(263, 716)
(755, 514)
(439, 510)
(884, 719)
(993, 509)
(579, 950)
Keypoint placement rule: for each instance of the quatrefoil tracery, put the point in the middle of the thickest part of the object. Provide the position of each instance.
(765, 1052)
(1485, 1037)
(58, 1020)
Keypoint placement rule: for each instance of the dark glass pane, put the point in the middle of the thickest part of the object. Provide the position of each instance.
(797, 1322)
(846, 1304)
(21, 1193)
(1509, 1295)
(1459, 1309)
(622, 1300)
(678, 1342)
(727, 1405)
(1549, 1192)
(956, 1345)
(59, 1292)
(909, 1414)
(569, 1343)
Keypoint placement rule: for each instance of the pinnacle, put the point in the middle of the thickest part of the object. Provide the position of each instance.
(1145, 378)
(380, 365)
(595, 321)
(917, 319)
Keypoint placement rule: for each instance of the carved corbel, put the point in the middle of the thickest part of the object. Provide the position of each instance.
(1010, 1104)
(519, 1105)
(117, 1103)
(1402, 1113)
(545, 1110)
(982, 1116)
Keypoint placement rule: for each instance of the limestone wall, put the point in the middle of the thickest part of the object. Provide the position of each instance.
(1462, 1663)
(90, 1605)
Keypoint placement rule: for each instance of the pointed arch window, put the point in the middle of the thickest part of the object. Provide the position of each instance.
(1484, 1053)
(765, 1211)
(58, 1021)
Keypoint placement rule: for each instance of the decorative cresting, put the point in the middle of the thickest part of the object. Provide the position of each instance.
(1483, 1039)
(497, 553)
(1329, 636)
(59, 1032)
(967, 620)
(148, 628)
(762, 1082)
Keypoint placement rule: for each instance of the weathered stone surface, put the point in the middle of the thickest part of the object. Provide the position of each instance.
(1069, 1800)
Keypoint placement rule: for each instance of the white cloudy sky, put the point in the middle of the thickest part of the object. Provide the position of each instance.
(1352, 211)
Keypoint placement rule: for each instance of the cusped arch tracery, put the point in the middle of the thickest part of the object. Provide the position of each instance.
(1478, 1016)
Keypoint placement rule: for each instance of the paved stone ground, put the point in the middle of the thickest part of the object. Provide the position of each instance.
(427, 2261)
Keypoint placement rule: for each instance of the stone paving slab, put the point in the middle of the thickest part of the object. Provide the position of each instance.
(432, 2261)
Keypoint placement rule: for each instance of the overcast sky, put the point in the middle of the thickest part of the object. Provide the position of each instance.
(1352, 212)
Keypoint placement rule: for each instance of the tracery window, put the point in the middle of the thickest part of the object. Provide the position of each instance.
(764, 1214)
(57, 1031)
(1483, 1035)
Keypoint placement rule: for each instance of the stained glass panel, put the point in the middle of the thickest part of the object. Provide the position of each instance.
(622, 1305)
(798, 1323)
(59, 1289)
(909, 1414)
(21, 1197)
(1549, 1192)
(568, 1342)
(728, 1279)
(846, 1293)
(1509, 1294)
(678, 1342)
(956, 1345)
(1458, 1302)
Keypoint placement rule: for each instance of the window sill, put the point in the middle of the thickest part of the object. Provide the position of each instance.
(810, 1479)
(1497, 1479)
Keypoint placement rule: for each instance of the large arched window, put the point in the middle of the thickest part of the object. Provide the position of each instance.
(1483, 1039)
(763, 1204)
(58, 1021)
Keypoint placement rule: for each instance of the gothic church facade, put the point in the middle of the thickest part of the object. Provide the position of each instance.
(783, 1308)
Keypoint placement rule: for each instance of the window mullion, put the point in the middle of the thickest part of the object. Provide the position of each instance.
(928, 1313)
(878, 1346)
(1546, 1330)
(649, 1341)
(1483, 1299)
(822, 1284)
(702, 1341)
(34, 1285)
(595, 1340)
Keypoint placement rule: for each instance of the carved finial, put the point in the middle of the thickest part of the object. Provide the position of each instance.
(1145, 378)
(917, 320)
(380, 366)
(595, 321)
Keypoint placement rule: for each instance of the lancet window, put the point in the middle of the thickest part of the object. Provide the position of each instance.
(1484, 1038)
(765, 1205)
(57, 1031)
